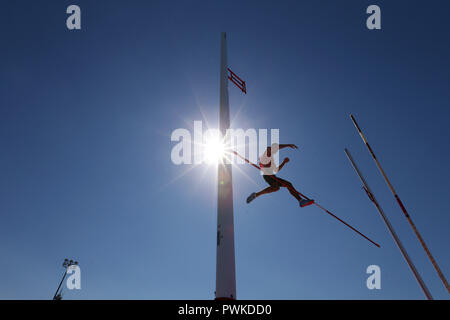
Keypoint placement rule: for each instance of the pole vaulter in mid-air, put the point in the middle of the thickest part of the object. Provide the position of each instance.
(269, 169)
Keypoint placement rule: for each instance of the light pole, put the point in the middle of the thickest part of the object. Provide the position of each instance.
(66, 264)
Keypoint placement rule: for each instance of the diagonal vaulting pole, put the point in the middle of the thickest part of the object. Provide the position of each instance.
(390, 228)
(408, 217)
(225, 261)
(315, 203)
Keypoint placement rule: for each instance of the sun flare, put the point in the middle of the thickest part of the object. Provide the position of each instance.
(214, 149)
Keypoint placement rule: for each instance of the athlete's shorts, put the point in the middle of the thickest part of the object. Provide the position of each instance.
(272, 181)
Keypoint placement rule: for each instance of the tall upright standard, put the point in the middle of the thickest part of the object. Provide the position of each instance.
(225, 262)
(402, 207)
(390, 228)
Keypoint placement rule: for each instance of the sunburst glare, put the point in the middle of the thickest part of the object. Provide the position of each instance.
(214, 149)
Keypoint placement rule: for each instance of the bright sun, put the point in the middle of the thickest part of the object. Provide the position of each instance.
(214, 149)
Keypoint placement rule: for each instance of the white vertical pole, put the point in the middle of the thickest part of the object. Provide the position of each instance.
(390, 228)
(225, 263)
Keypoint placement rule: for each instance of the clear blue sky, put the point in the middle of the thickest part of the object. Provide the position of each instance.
(85, 124)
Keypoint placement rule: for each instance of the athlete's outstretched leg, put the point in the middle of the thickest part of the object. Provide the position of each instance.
(254, 195)
(267, 190)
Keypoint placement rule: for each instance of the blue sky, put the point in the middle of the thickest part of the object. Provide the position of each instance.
(85, 124)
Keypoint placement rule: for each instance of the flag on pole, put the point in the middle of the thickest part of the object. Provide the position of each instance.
(237, 81)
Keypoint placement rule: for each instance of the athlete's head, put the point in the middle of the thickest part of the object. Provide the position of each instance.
(274, 148)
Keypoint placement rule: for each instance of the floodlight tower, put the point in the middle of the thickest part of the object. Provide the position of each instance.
(225, 262)
(66, 264)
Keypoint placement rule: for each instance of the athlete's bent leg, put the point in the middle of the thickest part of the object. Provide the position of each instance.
(302, 202)
(291, 189)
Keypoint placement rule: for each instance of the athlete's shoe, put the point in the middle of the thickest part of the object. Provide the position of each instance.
(305, 203)
(251, 197)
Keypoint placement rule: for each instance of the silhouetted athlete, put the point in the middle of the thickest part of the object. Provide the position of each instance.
(269, 169)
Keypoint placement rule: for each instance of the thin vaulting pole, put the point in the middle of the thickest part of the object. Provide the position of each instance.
(408, 217)
(390, 228)
(315, 203)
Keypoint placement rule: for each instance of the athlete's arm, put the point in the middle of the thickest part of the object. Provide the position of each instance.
(292, 146)
(286, 160)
